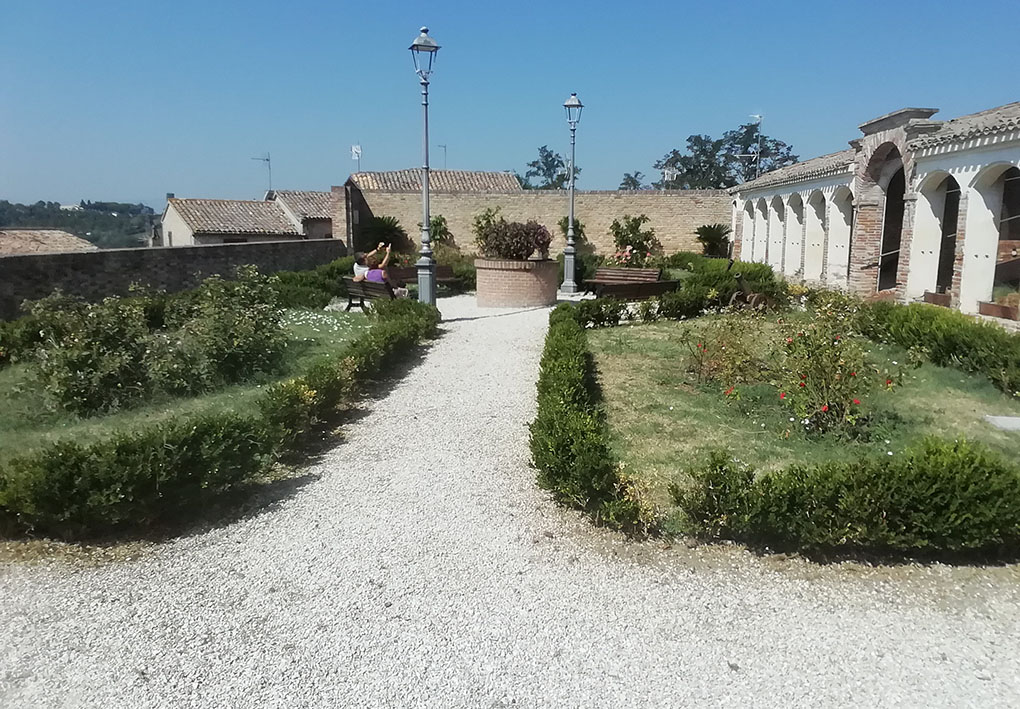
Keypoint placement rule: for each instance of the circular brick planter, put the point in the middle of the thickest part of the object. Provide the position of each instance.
(504, 283)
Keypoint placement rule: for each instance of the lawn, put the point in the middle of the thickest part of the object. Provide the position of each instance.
(29, 420)
(664, 417)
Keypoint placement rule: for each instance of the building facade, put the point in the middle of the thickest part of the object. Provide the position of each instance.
(915, 209)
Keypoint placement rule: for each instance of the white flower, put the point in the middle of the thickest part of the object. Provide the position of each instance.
(890, 452)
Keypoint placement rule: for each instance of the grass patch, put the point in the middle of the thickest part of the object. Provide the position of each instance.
(30, 421)
(663, 420)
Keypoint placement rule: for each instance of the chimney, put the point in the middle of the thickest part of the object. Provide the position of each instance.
(169, 196)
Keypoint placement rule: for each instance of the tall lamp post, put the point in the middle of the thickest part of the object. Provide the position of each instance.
(423, 51)
(573, 108)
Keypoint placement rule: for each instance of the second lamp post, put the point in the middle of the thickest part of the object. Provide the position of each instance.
(573, 108)
(423, 50)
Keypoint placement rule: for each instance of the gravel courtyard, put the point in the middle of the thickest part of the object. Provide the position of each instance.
(422, 567)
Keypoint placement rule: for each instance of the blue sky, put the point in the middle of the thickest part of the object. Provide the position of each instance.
(129, 100)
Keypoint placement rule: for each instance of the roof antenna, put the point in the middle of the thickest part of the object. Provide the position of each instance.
(269, 164)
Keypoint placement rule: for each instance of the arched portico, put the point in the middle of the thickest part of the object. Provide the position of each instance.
(777, 232)
(747, 232)
(761, 231)
(814, 237)
(881, 201)
(841, 217)
(792, 252)
(991, 254)
(933, 240)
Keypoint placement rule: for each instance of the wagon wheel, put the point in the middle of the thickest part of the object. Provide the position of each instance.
(758, 301)
(736, 299)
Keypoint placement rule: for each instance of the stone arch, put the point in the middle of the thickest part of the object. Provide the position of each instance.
(814, 236)
(933, 239)
(992, 234)
(761, 231)
(793, 251)
(840, 225)
(878, 221)
(777, 232)
(747, 232)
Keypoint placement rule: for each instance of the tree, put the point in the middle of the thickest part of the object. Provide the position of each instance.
(632, 181)
(550, 170)
(710, 163)
(714, 238)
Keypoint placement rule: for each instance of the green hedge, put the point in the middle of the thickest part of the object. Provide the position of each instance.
(159, 471)
(570, 435)
(948, 338)
(940, 497)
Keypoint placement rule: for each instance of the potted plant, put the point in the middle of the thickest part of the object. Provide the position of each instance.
(514, 269)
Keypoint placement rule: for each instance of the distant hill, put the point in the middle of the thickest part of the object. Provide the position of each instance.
(108, 225)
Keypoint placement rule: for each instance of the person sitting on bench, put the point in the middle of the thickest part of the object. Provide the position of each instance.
(377, 271)
(360, 266)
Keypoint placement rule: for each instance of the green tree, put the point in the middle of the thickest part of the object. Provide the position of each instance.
(710, 163)
(632, 181)
(549, 170)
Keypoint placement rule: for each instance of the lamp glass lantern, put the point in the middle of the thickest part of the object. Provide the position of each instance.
(423, 51)
(573, 108)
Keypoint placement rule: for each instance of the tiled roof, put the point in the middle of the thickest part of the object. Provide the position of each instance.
(40, 241)
(233, 216)
(439, 181)
(994, 120)
(822, 166)
(307, 205)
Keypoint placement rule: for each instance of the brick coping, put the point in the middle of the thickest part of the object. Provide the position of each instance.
(505, 264)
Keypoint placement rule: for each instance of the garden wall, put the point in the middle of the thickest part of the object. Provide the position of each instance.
(674, 214)
(97, 274)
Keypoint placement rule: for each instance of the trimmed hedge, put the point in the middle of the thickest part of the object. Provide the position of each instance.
(948, 338)
(570, 435)
(939, 497)
(159, 471)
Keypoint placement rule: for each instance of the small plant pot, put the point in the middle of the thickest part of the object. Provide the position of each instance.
(507, 283)
(943, 299)
(1007, 312)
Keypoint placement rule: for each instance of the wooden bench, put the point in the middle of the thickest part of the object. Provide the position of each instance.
(409, 274)
(361, 291)
(619, 277)
(636, 290)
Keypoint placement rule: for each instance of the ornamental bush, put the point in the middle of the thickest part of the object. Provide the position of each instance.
(939, 497)
(513, 240)
(635, 246)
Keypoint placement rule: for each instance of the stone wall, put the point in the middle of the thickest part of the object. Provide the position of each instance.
(674, 214)
(97, 274)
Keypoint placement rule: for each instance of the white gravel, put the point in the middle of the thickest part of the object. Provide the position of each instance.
(423, 568)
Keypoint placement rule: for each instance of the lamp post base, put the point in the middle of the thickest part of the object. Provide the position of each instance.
(569, 284)
(426, 280)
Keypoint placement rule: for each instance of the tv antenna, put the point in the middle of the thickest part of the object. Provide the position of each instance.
(755, 156)
(356, 154)
(269, 165)
(444, 154)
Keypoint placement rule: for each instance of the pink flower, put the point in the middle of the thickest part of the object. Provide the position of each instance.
(825, 407)
(782, 395)
(857, 401)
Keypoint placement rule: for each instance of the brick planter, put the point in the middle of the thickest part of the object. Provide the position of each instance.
(504, 283)
(1007, 312)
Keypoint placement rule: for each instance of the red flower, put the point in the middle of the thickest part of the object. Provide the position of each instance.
(825, 407)
(728, 391)
(857, 401)
(803, 384)
(803, 376)
(837, 337)
(789, 340)
(888, 382)
(782, 395)
(853, 374)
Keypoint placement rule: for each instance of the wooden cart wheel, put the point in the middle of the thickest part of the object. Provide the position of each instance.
(757, 301)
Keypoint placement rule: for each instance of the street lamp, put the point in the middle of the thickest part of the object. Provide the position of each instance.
(573, 108)
(423, 51)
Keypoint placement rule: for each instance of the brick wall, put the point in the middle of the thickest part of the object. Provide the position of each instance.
(97, 274)
(674, 214)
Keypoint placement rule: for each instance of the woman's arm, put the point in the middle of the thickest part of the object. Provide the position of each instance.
(386, 258)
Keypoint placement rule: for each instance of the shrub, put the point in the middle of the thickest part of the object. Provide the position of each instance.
(485, 220)
(570, 436)
(600, 312)
(689, 301)
(383, 229)
(439, 230)
(579, 237)
(634, 244)
(513, 240)
(92, 357)
(714, 239)
(586, 261)
(149, 474)
(18, 338)
(947, 338)
(238, 325)
(463, 266)
(942, 496)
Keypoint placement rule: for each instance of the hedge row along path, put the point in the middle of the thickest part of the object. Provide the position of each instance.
(424, 567)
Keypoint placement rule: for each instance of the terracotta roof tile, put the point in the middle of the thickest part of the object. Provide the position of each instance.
(439, 181)
(40, 241)
(822, 166)
(994, 120)
(306, 204)
(233, 216)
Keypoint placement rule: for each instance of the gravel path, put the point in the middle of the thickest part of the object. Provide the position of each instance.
(423, 568)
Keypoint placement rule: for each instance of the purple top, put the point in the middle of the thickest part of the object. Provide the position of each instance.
(375, 275)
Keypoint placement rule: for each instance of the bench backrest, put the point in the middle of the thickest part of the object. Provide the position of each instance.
(626, 275)
(637, 290)
(367, 289)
